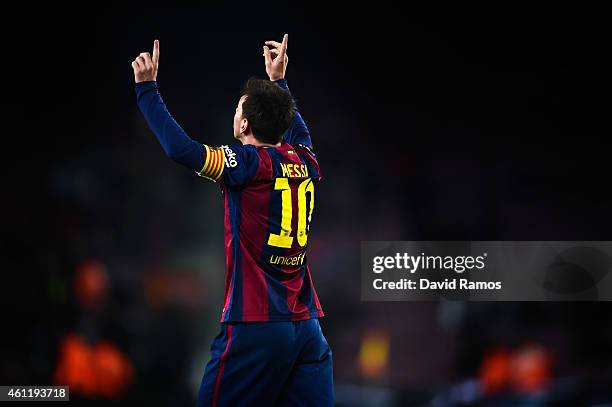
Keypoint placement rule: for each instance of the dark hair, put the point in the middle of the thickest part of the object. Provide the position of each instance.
(268, 108)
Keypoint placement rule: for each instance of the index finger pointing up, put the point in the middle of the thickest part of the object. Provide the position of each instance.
(155, 52)
(283, 48)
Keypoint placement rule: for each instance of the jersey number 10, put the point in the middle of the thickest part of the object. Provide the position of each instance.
(284, 238)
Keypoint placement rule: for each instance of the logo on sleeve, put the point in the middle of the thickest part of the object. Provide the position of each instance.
(308, 148)
(230, 157)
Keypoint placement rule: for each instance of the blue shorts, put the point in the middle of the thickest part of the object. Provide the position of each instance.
(269, 364)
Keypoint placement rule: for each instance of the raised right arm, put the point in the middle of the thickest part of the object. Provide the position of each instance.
(297, 133)
(276, 61)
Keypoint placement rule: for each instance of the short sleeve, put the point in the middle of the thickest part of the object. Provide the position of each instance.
(234, 165)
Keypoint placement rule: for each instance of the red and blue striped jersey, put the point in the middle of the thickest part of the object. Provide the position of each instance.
(268, 196)
(269, 199)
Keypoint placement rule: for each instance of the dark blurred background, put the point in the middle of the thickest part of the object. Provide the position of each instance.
(439, 122)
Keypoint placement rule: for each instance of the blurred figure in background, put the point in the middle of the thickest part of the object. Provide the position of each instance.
(92, 365)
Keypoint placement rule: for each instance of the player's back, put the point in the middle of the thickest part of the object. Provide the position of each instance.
(269, 195)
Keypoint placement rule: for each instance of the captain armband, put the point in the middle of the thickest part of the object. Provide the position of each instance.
(214, 165)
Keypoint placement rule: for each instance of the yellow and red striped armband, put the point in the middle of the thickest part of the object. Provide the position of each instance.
(215, 162)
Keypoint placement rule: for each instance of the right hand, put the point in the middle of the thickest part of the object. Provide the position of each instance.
(276, 58)
(145, 66)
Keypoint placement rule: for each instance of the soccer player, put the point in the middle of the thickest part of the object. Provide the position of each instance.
(270, 350)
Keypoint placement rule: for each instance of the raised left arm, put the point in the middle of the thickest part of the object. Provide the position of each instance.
(174, 140)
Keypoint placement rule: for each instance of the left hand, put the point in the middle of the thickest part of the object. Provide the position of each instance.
(276, 58)
(145, 66)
